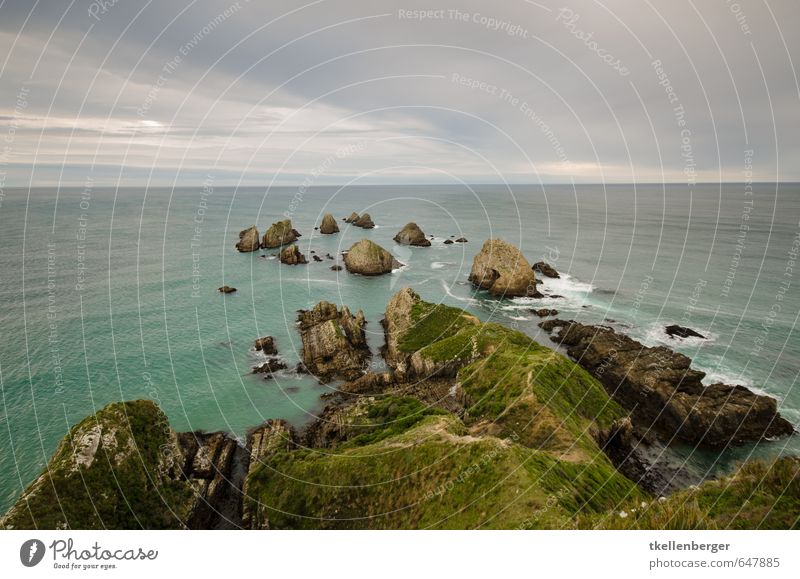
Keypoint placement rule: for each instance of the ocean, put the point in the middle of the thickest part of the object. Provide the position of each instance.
(111, 294)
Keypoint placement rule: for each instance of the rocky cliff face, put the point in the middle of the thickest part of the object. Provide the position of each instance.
(366, 257)
(334, 342)
(125, 468)
(329, 225)
(248, 240)
(280, 233)
(501, 269)
(411, 234)
(664, 393)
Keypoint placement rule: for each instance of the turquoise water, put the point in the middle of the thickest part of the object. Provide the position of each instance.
(120, 315)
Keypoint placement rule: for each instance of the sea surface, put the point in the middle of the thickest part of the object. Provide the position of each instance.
(111, 294)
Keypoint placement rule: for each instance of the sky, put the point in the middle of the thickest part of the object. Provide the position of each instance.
(278, 92)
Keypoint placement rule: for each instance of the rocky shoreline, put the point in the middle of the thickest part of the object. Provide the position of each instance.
(455, 390)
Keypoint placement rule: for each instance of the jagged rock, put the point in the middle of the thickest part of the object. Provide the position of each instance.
(336, 268)
(169, 479)
(279, 233)
(403, 314)
(411, 234)
(448, 242)
(291, 256)
(329, 256)
(364, 222)
(266, 345)
(544, 312)
(368, 258)
(501, 269)
(263, 442)
(352, 219)
(461, 240)
(226, 289)
(270, 366)
(662, 391)
(682, 332)
(328, 225)
(248, 240)
(316, 258)
(546, 269)
(334, 342)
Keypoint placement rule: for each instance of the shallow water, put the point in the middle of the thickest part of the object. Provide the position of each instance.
(137, 324)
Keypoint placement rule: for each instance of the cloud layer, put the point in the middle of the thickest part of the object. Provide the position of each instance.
(255, 93)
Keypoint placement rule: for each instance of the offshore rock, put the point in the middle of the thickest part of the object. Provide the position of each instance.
(280, 233)
(364, 222)
(291, 256)
(501, 269)
(329, 225)
(368, 258)
(546, 269)
(248, 240)
(411, 234)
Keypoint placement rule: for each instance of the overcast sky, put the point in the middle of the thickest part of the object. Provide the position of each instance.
(285, 92)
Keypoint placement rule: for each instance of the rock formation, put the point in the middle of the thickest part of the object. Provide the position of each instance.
(682, 332)
(461, 240)
(546, 269)
(226, 289)
(266, 345)
(279, 233)
(364, 222)
(248, 240)
(544, 312)
(291, 255)
(334, 342)
(328, 225)
(448, 242)
(411, 234)
(662, 391)
(501, 269)
(336, 268)
(352, 219)
(368, 258)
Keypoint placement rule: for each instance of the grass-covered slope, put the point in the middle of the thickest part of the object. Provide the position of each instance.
(108, 472)
(522, 456)
(757, 496)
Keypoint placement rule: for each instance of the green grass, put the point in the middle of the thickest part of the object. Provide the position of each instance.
(432, 323)
(125, 494)
(758, 496)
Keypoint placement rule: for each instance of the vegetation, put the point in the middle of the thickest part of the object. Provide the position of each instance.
(758, 495)
(123, 487)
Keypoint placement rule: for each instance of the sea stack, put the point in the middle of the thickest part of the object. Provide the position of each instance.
(280, 233)
(501, 269)
(291, 256)
(352, 219)
(411, 234)
(248, 240)
(364, 222)
(546, 269)
(368, 258)
(328, 225)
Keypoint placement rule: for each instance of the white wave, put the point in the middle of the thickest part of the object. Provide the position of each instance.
(440, 264)
(656, 333)
(566, 284)
(459, 298)
(519, 318)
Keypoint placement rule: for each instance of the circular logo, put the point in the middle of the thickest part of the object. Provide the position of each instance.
(31, 553)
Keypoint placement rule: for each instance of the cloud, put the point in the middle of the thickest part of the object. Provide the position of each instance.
(520, 91)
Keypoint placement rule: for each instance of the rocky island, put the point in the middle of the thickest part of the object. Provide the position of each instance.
(366, 257)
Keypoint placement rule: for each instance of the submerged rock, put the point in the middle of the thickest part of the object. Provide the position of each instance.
(682, 332)
(544, 312)
(329, 225)
(272, 364)
(291, 256)
(248, 240)
(461, 240)
(448, 241)
(336, 268)
(546, 269)
(665, 394)
(411, 234)
(368, 258)
(226, 289)
(501, 269)
(279, 233)
(334, 342)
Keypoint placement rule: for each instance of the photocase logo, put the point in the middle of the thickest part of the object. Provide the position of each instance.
(31, 553)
